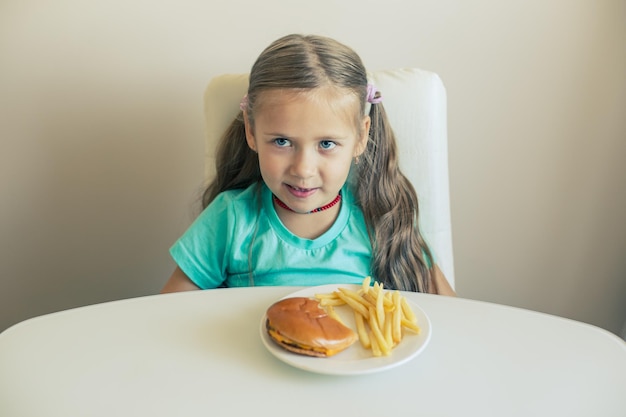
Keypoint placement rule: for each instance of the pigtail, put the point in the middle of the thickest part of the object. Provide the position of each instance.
(390, 208)
(237, 166)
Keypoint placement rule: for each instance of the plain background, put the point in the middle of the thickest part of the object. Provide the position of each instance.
(102, 141)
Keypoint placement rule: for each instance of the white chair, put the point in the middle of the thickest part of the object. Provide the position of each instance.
(415, 101)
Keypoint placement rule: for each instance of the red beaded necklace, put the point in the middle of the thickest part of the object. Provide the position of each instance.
(325, 207)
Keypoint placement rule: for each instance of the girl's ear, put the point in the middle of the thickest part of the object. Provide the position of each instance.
(365, 133)
(249, 135)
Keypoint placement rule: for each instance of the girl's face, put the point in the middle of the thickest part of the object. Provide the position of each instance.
(306, 142)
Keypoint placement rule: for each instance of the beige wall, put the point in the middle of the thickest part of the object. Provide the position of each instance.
(101, 138)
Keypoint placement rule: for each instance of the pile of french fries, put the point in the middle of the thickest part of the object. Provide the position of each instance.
(380, 315)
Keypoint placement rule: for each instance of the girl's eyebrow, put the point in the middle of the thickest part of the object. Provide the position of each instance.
(277, 134)
(323, 137)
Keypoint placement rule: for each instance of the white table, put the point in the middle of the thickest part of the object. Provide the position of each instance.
(200, 354)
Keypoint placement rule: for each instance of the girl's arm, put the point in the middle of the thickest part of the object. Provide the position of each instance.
(439, 284)
(179, 281)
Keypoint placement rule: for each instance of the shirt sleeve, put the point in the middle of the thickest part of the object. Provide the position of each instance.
(201, 252)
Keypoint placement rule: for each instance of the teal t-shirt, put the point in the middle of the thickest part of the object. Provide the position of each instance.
(239, 240)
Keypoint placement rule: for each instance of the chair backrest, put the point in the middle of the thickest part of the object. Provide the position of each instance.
(415, 102)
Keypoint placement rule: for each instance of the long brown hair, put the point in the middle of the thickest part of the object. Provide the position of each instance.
(400, 255)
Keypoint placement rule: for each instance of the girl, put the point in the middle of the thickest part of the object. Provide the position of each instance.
(308, 189)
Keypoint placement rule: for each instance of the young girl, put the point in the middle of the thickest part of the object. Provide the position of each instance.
(308, 189)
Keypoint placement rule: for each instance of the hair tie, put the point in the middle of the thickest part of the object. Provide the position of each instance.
(371, 94)
(243, 104)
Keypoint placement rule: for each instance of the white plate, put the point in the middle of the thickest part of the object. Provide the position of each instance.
(355, 360)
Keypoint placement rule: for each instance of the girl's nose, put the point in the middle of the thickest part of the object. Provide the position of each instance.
(304, 164)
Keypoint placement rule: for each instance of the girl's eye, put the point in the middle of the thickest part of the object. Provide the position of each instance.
(327, 144)
(282, 142)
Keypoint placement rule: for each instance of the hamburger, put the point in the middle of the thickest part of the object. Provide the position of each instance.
(302, 326)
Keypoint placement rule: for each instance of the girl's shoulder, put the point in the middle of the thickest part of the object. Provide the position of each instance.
(230, 202)
(238, 195)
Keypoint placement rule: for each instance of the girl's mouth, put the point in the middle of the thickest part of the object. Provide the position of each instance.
(300, 192)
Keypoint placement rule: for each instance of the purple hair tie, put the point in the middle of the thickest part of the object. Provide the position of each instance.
(371, 94)
(243, 104)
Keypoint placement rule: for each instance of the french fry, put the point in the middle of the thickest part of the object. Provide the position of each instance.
(356, 305)
(396, 329)
(373, 295)
(380, 307)
(408, 313)
(362, 331)
(371, 299)
(333, 314)
(322, 296)
(365, 285)
(388, 301)
(410, 325)
(375, 348)
(388, 329)
(354, 295)
(378, 335)
(331, 302)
